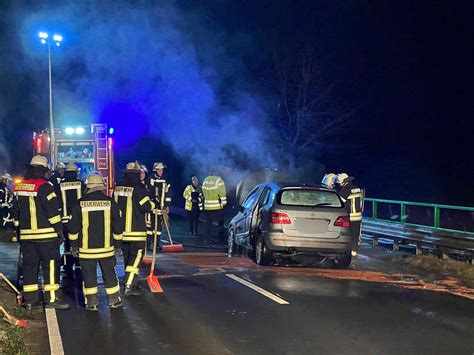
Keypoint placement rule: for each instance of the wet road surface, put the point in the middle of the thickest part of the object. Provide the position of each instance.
(205, 310)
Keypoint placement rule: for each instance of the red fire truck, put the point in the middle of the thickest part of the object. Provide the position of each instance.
(91, 148)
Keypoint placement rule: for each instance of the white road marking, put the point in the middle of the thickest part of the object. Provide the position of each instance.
(55, 342)
(258, 289)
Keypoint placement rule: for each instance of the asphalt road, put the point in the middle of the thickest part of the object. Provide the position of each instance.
(208, 308)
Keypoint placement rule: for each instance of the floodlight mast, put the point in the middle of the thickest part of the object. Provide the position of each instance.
(45, 40)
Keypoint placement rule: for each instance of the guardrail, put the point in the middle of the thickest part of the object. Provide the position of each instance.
(445, 229)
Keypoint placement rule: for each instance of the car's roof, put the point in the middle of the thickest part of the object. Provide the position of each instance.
(286, 185)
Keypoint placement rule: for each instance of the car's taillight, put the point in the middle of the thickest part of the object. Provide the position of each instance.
(280, 218)
(342, 221)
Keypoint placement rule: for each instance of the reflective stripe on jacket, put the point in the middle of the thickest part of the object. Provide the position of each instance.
(215, 197)
(37, 211)
(188, 195)
(96, 225)
(134, 202)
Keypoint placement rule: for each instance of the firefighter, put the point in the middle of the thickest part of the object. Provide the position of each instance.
(159, 188)
(328, 180)
(37, 215)
(134, 201)
(355, 197)
(57, 176)
(72, 189)
(194, 204)
(6, 199)
(215, 199)
(95, 231)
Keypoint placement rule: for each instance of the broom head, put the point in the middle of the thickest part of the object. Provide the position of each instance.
(154, 284)
(147, 260)
(172, 248)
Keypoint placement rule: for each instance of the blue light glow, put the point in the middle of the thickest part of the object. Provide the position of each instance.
(43, 41)
(111, 130)
(69, 130)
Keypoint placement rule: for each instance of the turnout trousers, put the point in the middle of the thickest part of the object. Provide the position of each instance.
(47, 254)
(211, 216)
(355, 232)
(132, 256)
(89, 280)
(150, 224)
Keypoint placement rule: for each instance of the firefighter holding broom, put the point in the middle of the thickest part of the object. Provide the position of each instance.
(134, 202)
(95, 231)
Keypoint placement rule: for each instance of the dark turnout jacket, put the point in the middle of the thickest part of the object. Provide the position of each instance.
(36, 211)
(96, 226)
(134, 202)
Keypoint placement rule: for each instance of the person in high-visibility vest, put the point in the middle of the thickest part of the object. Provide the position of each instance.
(134, 202)
(194, 203)
(95, 231)
(37, 215)
(215, 199)
(353, 197)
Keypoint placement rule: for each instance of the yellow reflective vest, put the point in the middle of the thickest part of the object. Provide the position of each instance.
(190, 193)
(215, 197)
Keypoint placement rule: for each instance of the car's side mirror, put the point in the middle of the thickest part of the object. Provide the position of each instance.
(238, 208)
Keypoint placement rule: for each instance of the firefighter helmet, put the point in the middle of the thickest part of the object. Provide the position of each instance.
(40, 160)
(340, 178)
(60, 166)
(95, 182)
(71, 167)
(133, 166)
(144, 168)
(328, 180)
(159, 165)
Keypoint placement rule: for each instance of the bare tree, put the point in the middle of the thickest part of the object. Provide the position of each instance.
(307, 117)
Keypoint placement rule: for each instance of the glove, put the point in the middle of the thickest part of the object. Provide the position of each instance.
(75, 251)
(60, 238)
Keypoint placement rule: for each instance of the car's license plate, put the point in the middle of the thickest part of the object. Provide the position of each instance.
(311, 225)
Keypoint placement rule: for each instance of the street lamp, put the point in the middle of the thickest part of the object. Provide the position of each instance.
(45, 39)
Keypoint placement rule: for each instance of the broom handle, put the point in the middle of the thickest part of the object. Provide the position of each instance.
(165, 219)
(9, 283)
(155, 236)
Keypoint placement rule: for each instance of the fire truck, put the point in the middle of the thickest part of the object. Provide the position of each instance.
(90, 147)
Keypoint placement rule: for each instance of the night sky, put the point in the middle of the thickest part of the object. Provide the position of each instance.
(405, 66)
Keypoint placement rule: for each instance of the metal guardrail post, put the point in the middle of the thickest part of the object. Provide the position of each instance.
(374, 209)
(403, 213)
(436, 216)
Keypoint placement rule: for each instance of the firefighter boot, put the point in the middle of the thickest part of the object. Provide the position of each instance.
(59, 304)
(92, 302)
(115, 302)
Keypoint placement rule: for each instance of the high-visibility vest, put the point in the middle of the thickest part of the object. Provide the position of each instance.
(213, 189)
(188, 196)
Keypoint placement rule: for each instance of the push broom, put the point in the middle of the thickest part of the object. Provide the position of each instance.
(171, 247)
(19, 297)
(152, 280)
(12, 320)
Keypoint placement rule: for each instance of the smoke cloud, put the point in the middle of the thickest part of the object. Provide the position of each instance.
(152, 70)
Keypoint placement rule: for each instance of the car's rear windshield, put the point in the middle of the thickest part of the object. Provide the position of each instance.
(309, 198)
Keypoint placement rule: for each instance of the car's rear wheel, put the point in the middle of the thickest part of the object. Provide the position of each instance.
(263, 255)
(343, 261)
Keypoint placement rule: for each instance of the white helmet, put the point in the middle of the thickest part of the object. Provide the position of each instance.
(328, 180)
(95, 182)
(340, 178)
(133, 166)
(159, 165)
(71, 167)
(40, 160)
